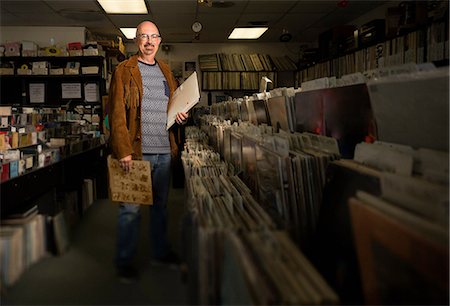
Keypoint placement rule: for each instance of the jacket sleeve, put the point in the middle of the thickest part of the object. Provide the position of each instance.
(119, 139)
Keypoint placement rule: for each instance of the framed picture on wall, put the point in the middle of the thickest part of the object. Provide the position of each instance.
(189, 68)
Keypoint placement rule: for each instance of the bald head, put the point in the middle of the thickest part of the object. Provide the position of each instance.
(144, 25)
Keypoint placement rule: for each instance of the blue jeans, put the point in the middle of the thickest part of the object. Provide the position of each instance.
(129, 215)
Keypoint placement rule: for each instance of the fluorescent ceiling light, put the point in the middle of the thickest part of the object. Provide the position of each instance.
(123, 6)
(129, 33)
(247, 33)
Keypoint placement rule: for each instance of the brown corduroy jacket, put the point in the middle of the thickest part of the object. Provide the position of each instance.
(125, 98)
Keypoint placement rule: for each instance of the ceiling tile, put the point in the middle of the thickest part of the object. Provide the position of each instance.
(78, 5)
(25, 7)
(301, 18)
(269, 7)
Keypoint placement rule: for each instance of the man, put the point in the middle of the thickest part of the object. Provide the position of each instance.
(140, 93)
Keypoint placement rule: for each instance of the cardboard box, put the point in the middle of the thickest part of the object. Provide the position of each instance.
(75, 52)
(21, 71)
(56, 71)
(12, 49)
(90, 52)
(90, 70)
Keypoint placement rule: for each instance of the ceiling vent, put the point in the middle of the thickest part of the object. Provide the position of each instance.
(258, 23)
(81, 15)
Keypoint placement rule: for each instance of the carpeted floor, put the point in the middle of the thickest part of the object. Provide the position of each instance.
(85, 274)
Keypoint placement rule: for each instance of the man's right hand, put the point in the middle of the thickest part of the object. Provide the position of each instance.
(125, 163)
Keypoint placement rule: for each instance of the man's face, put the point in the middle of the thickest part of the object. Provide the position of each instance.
(148, 39)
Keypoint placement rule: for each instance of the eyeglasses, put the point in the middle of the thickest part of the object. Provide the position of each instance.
(151, 37)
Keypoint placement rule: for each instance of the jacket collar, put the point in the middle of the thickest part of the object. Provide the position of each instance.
(132, 64)
(133, 61)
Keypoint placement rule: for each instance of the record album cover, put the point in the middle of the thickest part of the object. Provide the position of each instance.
(132, 187)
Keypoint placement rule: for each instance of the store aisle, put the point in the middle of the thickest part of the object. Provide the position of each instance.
(85, 274)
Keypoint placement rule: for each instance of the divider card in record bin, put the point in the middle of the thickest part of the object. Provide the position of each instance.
(134, 186)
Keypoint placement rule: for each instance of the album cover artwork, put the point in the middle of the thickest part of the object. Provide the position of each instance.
(261, 111)
(309, 112)
(277, 107)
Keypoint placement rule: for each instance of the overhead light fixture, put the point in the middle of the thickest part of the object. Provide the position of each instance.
(129, 33)
(124, 6)
(247, 33)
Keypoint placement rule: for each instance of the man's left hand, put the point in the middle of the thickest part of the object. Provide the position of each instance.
(182, 117)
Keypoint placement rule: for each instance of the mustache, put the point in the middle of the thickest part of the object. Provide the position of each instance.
(149, 44)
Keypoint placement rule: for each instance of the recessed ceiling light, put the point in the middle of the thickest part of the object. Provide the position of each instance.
(247, 33)
(123, 6)
(129, 33)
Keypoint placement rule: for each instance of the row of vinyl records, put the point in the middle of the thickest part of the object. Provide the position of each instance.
(245, 62)
(25, 126)
(27, 237)
(235, 80)
(355, 108)
(421, 46)
(284, 171)
(86, 121)
(26, 240)
(240, 257)
(315, 212)
(276, 178)
(306, 191)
